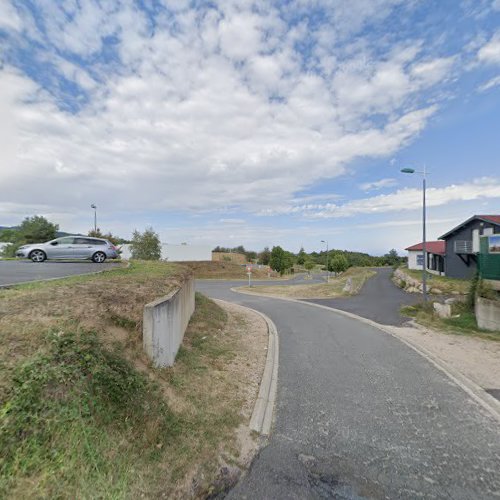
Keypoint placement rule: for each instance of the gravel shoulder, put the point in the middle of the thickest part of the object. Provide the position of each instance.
(477, 359)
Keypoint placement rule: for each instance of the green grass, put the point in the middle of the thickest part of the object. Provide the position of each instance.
(83, 415)
(139, 271)
(445, 284)
(74, 421)
(462, 322)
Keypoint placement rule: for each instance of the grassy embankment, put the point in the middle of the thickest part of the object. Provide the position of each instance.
(227, 271)
(83, 414)
(462, 322)
(446, 285)
(357, 275)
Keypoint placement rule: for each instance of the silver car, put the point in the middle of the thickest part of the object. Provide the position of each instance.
(69, 247)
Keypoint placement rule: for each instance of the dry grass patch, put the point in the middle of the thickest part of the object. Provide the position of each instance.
(335, 288)
(226, 271)
(84, 415)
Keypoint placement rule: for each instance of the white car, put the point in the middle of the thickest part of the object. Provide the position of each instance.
(69, 247)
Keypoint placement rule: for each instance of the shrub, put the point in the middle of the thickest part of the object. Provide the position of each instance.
(146, 246)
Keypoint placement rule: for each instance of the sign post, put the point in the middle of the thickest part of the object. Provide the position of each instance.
(249, 272)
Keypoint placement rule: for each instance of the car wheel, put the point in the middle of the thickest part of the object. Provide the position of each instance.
(38, 256)
(99, 257)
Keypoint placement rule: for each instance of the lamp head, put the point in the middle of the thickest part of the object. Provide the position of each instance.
(408, 170)
(93, 206)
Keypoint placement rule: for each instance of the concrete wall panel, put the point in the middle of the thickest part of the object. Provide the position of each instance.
(488, 314)
(165, 322)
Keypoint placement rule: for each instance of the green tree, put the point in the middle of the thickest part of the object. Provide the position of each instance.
(301, 256)
(392, 258)
(95, 233)
(265, 256)
(279, 260)
(146, 245)
(338, 264)
(309, 265)
(37, 229)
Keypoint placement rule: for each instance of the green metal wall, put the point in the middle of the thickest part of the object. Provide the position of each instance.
(489, 263)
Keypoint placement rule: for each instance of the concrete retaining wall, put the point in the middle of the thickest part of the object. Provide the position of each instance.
(488, 314)
(165, 321)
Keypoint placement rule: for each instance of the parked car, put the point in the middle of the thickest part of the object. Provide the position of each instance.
(69, 247)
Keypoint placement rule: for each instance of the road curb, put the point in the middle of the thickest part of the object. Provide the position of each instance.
(263, 411)
(476, 392)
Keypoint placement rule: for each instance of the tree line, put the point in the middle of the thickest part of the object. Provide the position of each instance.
(282, 261)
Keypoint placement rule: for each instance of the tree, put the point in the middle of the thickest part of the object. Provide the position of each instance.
(146, 246)
(37, 229)
(95, 233)
(301, 256)
(338, 264)
(279, 260)
(309, 265)
(116, 240)
(392, 258)
(265, 256)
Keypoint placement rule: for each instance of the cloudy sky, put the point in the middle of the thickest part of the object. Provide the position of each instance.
(228, 122)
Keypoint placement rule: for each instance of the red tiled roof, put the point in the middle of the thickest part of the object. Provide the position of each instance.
(491, 218)
(438, 247)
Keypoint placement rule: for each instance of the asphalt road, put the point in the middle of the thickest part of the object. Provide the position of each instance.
(379, 300)
(361, 415)
(21, 271)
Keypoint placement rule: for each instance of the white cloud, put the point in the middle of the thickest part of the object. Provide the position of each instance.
(382, 183)
(401, 200)
(489, 53)
(9, 19)
(493, 82)
(213, 110)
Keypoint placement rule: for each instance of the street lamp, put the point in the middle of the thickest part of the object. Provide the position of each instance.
(95, 217)
(327, 270)
(424, 248)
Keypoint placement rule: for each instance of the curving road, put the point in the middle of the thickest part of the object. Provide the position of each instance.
(379, 300)
(361, 415)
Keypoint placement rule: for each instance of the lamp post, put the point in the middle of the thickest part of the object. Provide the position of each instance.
(327, 270)
(94, 206)
(424, 249)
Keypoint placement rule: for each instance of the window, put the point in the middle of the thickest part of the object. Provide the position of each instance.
(68, 240)
(83, 241)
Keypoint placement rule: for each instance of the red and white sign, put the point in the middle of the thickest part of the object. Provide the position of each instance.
(249, 269)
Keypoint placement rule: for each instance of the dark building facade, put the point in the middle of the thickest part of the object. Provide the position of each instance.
(462, 244)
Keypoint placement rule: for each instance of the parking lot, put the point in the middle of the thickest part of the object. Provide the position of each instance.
(20, 271)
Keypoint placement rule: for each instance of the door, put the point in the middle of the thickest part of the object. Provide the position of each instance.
(62, 248)
(83, 248)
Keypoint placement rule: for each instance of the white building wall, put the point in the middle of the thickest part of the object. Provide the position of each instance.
(177, 253)
(412, 259)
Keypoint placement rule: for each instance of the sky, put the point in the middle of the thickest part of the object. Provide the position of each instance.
(250, 122)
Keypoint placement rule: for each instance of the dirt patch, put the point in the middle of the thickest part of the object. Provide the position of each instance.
(228, 270)
(476, 358)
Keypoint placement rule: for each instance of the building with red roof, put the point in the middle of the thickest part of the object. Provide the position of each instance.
(456, 254)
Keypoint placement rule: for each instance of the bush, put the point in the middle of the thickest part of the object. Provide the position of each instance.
(146, 246)
(338, 264)
(63, 406)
